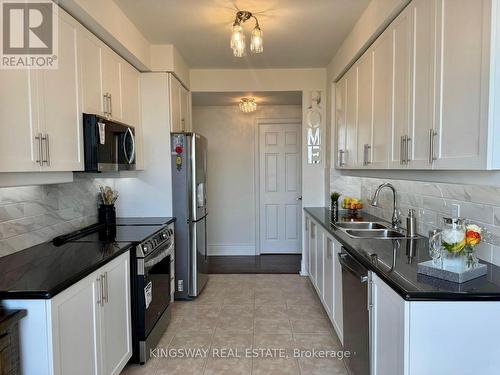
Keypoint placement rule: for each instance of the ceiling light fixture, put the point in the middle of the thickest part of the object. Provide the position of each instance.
(248, 105)
(238, 44)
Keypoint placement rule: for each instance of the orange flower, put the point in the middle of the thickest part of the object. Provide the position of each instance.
(473, 235)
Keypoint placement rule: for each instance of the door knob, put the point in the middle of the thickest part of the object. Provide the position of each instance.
(299, 198)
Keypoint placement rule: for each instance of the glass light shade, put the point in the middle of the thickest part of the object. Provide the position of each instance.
(239, 49)
(236, 35)
(256, 45)
(248, 105)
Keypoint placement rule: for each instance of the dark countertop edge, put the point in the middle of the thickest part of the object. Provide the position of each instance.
(48, 294)
(407, 296)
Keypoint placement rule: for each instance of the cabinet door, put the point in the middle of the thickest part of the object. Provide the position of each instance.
(401, 30)
(337, 291)
(89, 55)
(115, 322)
(319, 260)
(312, 251)
(364, 142)
(75, 326)
(463, 65)
(131, 113)
(306, 241)
(351, 118)
(19, 150)
(111, 82)
(328, 275)
(59, 104)
(382, 99)
(424, 52)
(387, 325)
(175, 105)
(185, 110)
(340, 119)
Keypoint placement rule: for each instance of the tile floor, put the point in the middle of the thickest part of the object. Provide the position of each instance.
(239, 313)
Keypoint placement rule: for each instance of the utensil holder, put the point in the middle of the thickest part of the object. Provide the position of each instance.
(107, 214)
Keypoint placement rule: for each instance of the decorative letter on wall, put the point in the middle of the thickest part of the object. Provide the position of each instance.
(313, 122)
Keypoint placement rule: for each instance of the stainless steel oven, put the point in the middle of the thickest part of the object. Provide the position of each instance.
(153, 281)
(108, 145)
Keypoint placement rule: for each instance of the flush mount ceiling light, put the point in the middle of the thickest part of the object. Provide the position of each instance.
(238, 44)
(248, 105)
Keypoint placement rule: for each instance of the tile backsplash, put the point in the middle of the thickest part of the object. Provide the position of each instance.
(432, 201)
(30, 215)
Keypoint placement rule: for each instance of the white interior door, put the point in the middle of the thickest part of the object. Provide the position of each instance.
(280, 188)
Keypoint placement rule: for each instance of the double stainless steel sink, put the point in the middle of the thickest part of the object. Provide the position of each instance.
(369, 229)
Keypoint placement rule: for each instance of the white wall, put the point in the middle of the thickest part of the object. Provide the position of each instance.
(149, 192)
(231, 179)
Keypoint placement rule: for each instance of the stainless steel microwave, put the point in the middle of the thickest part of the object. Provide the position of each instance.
(108, 145)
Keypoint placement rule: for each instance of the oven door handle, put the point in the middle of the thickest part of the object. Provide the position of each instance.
(155, 260)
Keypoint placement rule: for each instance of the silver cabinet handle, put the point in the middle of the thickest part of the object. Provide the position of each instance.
(110, 105)
(101, 288)
(106, 290)
(46, 139)
(183, 124)
(432, 157)
(99, 291)
(366, 155)
(406, 149)
(40, 149)
(341, 158)
(401, 150)
(105, 104)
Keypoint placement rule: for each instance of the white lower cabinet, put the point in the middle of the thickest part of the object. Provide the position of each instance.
(86, 329)
(431, 337)
(387, 329)
(325, 272)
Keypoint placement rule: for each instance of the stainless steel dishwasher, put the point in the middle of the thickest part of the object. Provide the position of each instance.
(356, 315)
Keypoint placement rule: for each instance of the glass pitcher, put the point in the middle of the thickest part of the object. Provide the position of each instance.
(448, 242)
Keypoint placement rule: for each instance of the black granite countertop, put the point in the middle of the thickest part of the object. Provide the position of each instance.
(45, 270)
(395, 262)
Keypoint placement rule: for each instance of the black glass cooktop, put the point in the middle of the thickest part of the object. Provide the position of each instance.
(120, 234)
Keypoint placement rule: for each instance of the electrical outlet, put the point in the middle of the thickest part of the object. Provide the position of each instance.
(455, 210)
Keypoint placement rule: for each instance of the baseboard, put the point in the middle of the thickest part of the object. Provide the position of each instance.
(231, 249)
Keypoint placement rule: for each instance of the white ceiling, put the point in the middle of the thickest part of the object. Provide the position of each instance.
(297, 33)
(232, 98)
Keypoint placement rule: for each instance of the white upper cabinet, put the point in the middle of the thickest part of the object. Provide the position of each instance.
(434, 66)
(423, 73)
(19, 150)
(112, 96)
(463, 34)
(90, 67)
(340, 118)
(401, 32)
(40, 112)
(382, 99)
(59, 104)
(350, 154)
(175, 105)
(180, 106)
(364, 73)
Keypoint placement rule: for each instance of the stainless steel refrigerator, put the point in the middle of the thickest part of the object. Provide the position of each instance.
(189, 190)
